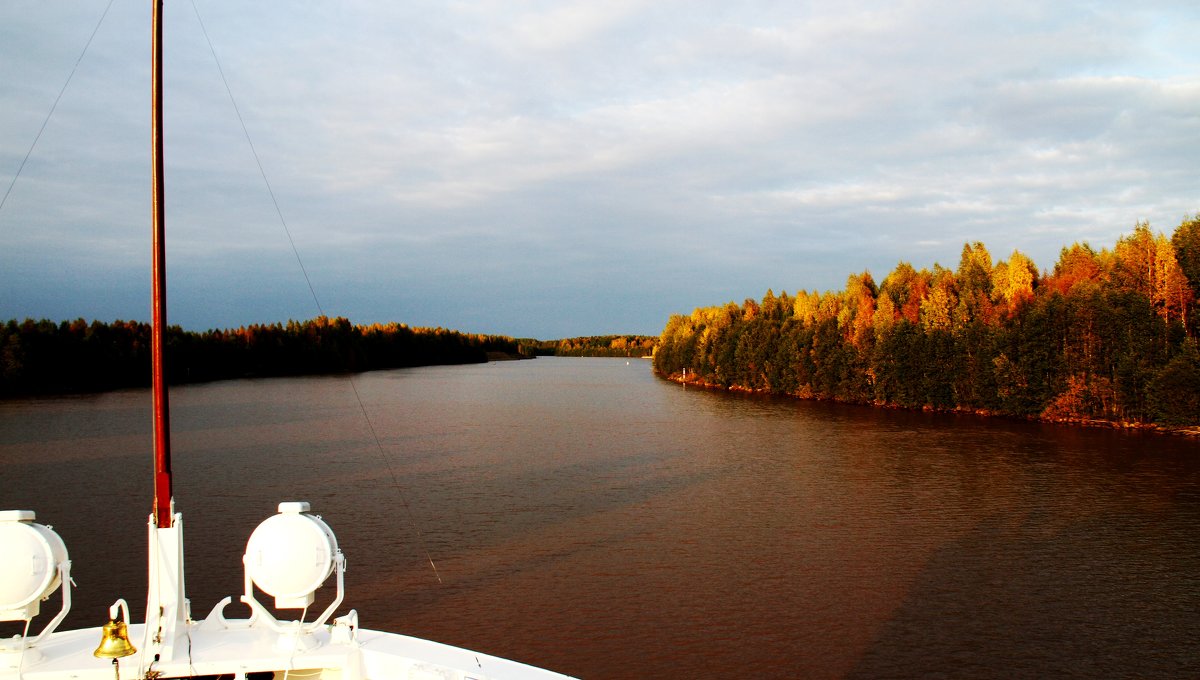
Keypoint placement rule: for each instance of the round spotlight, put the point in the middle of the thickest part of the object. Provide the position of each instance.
(29, 565)
(290, 555)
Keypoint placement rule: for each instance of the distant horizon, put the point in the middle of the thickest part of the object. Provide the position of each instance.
(736, 299)
(284, 322)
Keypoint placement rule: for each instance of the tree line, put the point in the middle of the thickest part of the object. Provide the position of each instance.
(44, 357)
(595, 346)
(1107, 335)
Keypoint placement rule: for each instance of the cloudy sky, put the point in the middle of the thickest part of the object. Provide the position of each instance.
(552, 169)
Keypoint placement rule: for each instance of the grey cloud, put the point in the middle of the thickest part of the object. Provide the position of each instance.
(505, 169)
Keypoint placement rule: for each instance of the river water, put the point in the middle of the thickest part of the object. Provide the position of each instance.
(588, 517)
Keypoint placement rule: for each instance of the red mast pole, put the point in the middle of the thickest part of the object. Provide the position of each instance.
(162, 430)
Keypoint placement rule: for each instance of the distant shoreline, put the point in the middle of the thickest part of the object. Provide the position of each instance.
(507, 356)
(49, 358)
(79, 357)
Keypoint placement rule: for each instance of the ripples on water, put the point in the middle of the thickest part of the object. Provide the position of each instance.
(588, 517)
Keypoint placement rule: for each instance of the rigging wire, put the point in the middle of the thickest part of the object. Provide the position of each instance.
(295, 251)
(254, 152)
(55, 105)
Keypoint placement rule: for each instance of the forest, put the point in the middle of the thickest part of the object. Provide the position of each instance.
(44, 357)
(1106, 336)
(595, 346)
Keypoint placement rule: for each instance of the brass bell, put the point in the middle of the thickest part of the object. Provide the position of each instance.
(114, 641)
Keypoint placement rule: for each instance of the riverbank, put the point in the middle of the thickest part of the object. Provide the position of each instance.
(507, 356)
(1184, 431)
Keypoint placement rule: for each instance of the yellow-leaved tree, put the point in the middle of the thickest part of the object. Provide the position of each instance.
(1013, 281)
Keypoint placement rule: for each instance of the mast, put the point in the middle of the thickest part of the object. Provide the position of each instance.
(166, 603)
(162, 432)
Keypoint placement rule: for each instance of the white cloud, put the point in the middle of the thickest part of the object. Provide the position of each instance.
(566, 25)
(767, 141)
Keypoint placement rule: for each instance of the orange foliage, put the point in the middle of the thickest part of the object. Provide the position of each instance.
(1077, 264)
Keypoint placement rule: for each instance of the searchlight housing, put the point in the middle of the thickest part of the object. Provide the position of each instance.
(33, 564)
(289, 556)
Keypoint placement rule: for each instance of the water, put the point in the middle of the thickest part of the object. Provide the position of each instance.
(588, 517)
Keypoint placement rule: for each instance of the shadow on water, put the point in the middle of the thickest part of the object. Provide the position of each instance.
(588, 517)
(1095, 598)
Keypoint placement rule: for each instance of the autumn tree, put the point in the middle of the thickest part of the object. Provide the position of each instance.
(1172, 294)
(857, 310)
(1013, 281)
(1134, 256)
(1077, 265)
(1186, 240)
(907, 288)
(937, 307)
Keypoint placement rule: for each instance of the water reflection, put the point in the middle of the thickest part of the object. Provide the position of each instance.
(591, 518)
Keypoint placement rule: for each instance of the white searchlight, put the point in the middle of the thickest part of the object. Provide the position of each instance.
(289, 556)
(33, 564)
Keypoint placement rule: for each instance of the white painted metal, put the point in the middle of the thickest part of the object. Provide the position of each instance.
(29, 564)
(167, 608)
(370, 655)
(33, 563)
(171, 645)
(290, 555)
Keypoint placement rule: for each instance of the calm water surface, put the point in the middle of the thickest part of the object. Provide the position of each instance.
(588, 517)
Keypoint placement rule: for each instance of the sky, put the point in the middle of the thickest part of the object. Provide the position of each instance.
(556, 169)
